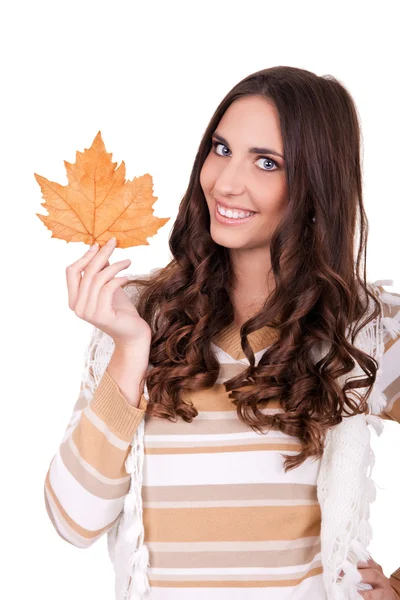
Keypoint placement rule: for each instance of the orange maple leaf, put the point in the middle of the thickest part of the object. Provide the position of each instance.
(98, 203)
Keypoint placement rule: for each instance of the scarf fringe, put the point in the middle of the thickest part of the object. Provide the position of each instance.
(138, 561)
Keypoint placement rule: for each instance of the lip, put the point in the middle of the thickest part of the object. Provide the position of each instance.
(232, 207)
(226, 221)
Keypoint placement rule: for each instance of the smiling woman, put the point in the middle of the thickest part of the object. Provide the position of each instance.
(242, 180)
(244, 472)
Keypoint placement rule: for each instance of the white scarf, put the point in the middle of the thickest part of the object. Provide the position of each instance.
(344, 486)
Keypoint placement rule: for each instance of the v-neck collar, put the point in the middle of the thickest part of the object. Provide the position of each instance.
(229, 340)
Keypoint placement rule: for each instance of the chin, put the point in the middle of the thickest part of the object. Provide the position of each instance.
(226, 239)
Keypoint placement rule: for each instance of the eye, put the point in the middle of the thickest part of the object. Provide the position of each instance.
(215, 144)
(264, 158)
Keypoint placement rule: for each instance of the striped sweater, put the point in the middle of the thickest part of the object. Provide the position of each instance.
(220, 515)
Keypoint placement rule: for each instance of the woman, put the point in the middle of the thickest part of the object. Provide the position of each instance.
(199, 439)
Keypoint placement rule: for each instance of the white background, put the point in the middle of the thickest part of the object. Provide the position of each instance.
(149, 75)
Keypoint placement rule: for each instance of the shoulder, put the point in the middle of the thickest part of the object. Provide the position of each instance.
(389, 380)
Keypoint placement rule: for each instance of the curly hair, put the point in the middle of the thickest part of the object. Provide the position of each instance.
(320, 289)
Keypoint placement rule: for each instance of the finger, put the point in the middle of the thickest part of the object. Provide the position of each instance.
(100, 280)
(373, 577)
(107, 293)
(366, 563)
(371, 563)
(94, 266)
(73, 275)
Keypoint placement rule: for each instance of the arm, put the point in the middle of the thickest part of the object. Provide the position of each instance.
(87, 482)
(390, 383)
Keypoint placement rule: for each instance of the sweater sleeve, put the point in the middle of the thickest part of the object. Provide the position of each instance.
(86, 482)
(390, 364)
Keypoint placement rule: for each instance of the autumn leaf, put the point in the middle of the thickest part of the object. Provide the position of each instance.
(98, 203)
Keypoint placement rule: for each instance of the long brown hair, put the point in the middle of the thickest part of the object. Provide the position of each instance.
(320, 289)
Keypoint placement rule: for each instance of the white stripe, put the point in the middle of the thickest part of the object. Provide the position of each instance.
(312, 587)
(258, 466)
(64, 528)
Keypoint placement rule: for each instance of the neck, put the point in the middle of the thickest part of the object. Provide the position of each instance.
(253, 282)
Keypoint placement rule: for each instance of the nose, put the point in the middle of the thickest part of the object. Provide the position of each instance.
(230, 180)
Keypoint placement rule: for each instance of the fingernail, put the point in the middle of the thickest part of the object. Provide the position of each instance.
(111, 241)
(94, 247)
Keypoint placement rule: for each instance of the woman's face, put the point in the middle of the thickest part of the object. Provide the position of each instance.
(239, 171)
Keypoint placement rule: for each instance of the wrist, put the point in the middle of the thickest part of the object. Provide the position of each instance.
(130, 347)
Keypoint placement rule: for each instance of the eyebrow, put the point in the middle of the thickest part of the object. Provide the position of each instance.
(253, 150)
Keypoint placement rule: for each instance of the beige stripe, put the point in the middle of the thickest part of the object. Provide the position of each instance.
(261, 440)
(216, 398)
(85, 533)
(89, 469)
(157, 426)
(222, 503)
(72, 537)
(393, 411)
(229, 340)
(195, 581)
(92, 481)
(210, 415)
(390, 342)
(231, 524)
(203, 449)
(94, 448)
(50, 514)
(102, 426)
(246, 491)
(234, 559)
(392, 392)
(229, 370)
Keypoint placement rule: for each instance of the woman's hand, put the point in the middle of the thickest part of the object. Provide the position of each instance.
(372, 573)
(98, 298)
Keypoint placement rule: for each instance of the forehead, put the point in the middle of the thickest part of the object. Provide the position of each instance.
(252, 121)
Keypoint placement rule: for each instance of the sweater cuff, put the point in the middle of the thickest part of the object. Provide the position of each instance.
(395, 581)
(111, 406)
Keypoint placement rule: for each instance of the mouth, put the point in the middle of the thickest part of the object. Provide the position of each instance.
(224, 220)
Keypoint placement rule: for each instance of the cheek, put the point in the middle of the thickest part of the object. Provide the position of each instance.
(274, 203)
(203, 179)
(207, 175)
(278, 195)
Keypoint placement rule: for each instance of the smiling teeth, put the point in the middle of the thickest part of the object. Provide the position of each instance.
(233, 214)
